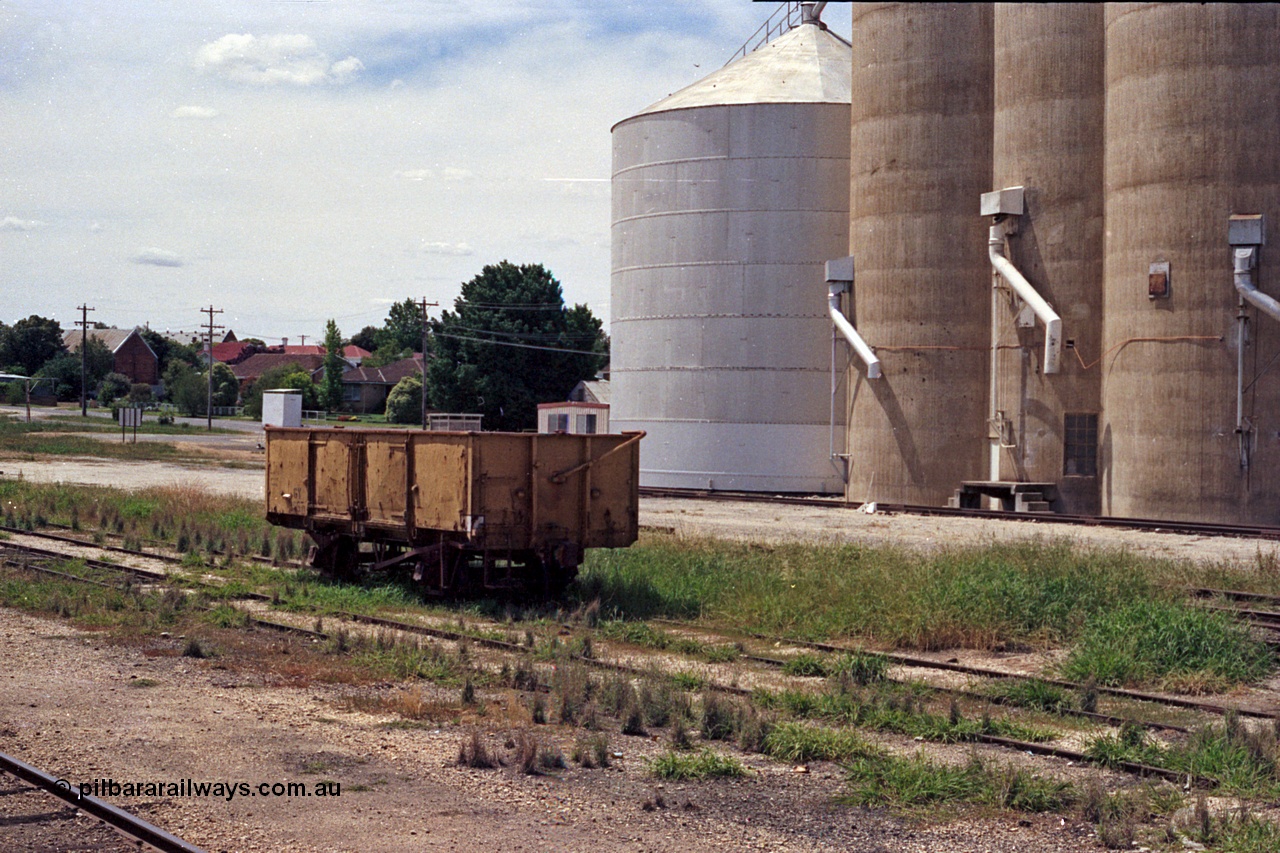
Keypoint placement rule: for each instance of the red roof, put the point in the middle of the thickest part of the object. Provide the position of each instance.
(230, 352)
(259, 363)
(388, 374)
(349, 351)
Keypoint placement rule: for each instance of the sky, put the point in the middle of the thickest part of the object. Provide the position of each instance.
(295, 161)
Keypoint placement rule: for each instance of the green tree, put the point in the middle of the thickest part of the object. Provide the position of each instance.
(30, 343)
(403, 329)
(186, 389)
(64, 369)
(167, 351)
(334, 365)
(112, 387)
(226, 388)
(366, 338)
(404, 403)
(284, 376)
(509, 344)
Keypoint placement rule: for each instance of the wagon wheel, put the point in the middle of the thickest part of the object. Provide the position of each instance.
(335, 555)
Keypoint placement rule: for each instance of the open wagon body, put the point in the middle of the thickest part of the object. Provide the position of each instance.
(468, 511)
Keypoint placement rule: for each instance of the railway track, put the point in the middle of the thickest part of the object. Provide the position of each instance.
(133, 828)
(762, 660)
(1194, 528)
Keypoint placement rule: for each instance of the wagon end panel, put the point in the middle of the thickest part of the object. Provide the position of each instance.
(613, 493)
(386, 480)
(287, 477)
(441, 485)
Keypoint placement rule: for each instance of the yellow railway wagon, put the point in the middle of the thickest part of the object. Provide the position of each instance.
(467, 511)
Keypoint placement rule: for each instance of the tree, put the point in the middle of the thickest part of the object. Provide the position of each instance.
(403, 329)
(112, 387)
(334, 365)
(284, 376)
(226, 388)
(31, 342)
(167, 351)
(366, 338)
(404, 403)
(64, 369)
(510, 344)
(185, 388)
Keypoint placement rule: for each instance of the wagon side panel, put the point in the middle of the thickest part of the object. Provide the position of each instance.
(386, 480)
(334, 467)
(441, 486)
(505, 494)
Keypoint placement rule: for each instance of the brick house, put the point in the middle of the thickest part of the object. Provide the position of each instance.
(365, 389)
(131, 356)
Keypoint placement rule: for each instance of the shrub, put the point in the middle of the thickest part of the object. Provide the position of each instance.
(404, 403)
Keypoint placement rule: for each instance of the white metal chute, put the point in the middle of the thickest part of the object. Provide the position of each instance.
(1041, 308)
(1244, 259)
(851, 335)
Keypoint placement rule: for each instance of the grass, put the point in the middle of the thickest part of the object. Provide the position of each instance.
(917, 782)
(707, 764)
(44, 438)
(971, 597)
(1241, 758)
(796, 742)
(1167, 644)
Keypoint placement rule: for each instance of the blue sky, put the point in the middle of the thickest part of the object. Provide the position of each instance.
(290, 161)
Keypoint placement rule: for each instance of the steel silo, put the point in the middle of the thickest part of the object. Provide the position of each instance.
(1048, 139)
(920, 146)
(1193, 118)
(728, 197)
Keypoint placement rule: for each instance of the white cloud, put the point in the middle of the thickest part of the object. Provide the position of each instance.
(194, 112)
(452, 174)
(457, 249)
(157, 257)
(271, 60)
(13, 223)
(416, 174)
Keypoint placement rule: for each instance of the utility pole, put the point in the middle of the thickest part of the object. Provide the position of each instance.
(425, 305)
(209, 326)
(304, 339)
(83, 323)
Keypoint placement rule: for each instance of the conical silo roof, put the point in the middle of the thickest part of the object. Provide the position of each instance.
(806, 65)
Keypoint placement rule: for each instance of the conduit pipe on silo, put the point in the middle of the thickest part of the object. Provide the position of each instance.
(1043, 310)
(851, 334)
(1244, 260)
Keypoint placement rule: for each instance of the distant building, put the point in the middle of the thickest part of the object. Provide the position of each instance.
(365, 389)
(131, 356)
(574, 418)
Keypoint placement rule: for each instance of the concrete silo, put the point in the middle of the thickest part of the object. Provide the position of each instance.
(1048, 139)
(728, 197)
(920, 142)
(1190, 416)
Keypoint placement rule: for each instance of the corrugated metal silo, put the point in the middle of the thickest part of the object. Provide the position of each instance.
(728, 197)
(920, 158)
(1048, 138)
(1193, 118)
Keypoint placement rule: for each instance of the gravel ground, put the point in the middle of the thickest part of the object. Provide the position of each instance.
(68, 707)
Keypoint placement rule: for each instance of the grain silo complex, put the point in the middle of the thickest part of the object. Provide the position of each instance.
(1056, 289)
(728, 197)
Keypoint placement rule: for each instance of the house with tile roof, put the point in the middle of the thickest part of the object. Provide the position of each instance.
(365, 389)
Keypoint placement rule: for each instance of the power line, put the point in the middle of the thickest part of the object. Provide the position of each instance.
(519, 346)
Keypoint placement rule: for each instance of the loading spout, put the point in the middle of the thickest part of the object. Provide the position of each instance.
(1043, 310)
(1244, 260)
(851, 335)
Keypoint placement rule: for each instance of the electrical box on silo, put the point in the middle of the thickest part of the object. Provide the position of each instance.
(282, 407)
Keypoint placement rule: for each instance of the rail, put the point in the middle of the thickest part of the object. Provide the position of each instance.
(131, 825)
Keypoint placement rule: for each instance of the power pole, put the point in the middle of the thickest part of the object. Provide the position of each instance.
(83, 323)
(425, 305)
(209, 326)
(304, 339)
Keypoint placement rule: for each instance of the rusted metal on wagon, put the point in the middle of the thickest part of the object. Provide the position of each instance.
(465, 510)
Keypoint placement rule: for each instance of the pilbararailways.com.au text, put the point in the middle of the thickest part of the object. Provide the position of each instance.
(190, 788)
